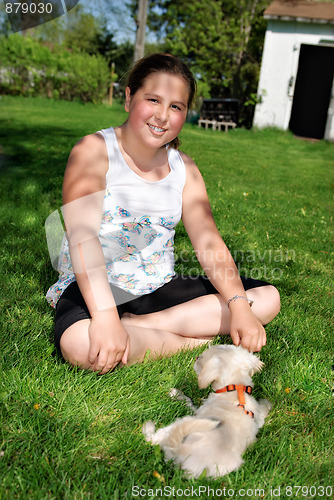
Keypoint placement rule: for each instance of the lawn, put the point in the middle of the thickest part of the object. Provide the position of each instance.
(68, 434)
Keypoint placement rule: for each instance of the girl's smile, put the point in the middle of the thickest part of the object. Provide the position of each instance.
(156, 129)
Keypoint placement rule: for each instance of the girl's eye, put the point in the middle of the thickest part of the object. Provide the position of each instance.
(153, 100)
(174, 106)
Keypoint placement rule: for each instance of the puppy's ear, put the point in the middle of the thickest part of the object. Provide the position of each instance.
(256, 365)
(208, 373)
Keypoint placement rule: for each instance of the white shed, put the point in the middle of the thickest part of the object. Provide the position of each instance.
(296, 89)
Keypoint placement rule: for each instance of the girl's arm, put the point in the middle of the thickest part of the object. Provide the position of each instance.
(83, 195)
(216, 259)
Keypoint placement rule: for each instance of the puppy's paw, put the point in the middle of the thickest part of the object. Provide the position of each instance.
(266, 404)
(148, 430)
(264, 408)
(176, 394)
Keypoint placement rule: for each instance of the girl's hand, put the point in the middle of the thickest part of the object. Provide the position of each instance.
(246, 330)
(109, 342)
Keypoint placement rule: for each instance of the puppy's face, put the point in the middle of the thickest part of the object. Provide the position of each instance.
(226, 364)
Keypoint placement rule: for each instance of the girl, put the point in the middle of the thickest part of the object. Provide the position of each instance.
(125, 189)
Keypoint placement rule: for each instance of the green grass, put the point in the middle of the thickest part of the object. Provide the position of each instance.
(67, 434)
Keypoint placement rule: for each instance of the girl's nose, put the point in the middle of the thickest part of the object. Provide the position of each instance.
(162, 114)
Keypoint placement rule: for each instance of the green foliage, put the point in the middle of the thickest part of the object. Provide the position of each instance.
(82, 32)
(29, 68)
(79, 31)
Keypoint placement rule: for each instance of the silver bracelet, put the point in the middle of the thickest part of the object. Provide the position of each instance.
(236, 297)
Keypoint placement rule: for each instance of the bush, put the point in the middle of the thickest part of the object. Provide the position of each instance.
(29, 68)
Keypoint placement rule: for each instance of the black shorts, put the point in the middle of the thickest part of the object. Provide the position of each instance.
(71, 306)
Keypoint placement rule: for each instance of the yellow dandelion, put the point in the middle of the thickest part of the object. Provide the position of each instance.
(287, 390)
(159, 476)
(36, 406)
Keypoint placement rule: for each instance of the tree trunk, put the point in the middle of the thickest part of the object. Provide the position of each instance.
(141, 28)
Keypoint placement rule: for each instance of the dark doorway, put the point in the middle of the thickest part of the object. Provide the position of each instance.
(312, 91)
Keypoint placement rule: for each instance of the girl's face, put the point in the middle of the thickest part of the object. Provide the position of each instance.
(158, 110)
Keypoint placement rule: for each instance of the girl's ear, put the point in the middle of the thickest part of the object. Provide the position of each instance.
(127, 99)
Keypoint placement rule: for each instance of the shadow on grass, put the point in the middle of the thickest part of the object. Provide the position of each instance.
(34, 152)
(32, 163)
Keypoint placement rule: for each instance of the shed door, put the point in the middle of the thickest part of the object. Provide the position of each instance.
(312, 91)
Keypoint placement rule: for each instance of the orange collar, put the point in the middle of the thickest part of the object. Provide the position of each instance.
(241, 389)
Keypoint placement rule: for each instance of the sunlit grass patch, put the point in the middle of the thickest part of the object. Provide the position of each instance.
(70, 434)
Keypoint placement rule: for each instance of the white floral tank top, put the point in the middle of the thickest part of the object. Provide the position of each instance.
(137, 228)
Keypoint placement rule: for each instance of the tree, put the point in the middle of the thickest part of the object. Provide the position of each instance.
(82, 31)
(78, 31)
(141, 19)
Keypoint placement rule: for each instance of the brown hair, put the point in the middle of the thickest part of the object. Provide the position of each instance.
(164, 63)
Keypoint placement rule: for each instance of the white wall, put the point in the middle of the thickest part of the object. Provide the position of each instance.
(279, 70)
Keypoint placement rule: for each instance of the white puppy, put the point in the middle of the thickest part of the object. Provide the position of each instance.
(216, 436)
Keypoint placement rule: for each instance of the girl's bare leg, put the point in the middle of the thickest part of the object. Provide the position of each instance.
(184, 326)
(74, 343)
(207, 316)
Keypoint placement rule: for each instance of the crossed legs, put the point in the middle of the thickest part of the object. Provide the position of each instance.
(207, 316)
(165, 332)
